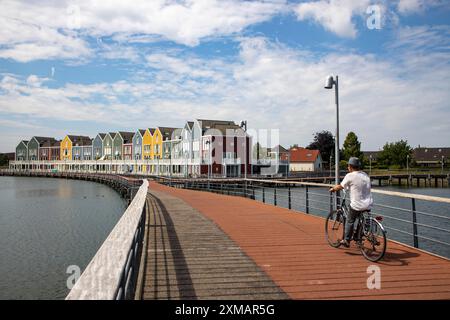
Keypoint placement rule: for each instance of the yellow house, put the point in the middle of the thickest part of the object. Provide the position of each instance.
(147, 141)
(66, 149)
(157, 142)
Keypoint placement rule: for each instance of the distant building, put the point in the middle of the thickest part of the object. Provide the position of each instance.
(371, 155)
(431, 157)
(302, 159)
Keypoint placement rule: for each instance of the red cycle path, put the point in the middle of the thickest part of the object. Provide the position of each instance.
(291, 248)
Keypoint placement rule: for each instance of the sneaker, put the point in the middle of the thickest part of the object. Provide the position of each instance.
(345, 243)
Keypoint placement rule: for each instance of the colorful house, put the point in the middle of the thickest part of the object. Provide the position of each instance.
(138, 144)
(97, 146)
(157, 144)
(170, 137)
(302, 159)
(22, 151)
(147, 142)
(34, 145)
(123, 145)
(108, 142)
(49, 150)
(76, 148)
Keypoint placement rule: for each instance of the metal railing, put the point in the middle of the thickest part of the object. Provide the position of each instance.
(402, 218)
(112, 273)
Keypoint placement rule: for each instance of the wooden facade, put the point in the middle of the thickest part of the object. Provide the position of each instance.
(138, 144)
(22, 151)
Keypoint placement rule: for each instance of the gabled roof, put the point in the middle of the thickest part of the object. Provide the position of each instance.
(56, 143)
(303, 155)
(190, 125)
(79, 141)
(101, 135)
(25, 142)
(127, 137)
(50, 143)
(141, 132)
(167, 132)
(431, 154)
(42, 141)
(151, 130)
(220, 125)
(278, 149)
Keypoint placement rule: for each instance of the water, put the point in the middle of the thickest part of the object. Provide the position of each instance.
(398, 222)
(47, 225)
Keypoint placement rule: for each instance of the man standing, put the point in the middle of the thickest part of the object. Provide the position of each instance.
(358, 183)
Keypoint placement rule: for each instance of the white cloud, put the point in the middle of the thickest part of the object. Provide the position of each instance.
(334, 15)
(413, 6)
(48, 30)
(271, 85)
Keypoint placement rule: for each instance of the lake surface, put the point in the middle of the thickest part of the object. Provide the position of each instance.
(396, 212)
(47, 225)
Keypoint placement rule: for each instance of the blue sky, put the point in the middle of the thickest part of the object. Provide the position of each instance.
(83, 67)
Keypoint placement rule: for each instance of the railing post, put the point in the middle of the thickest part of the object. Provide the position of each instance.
(253, 191)
(245, 188)
(289, 197)
(331, 202)
(414, 218)
(263, 195)
(275, 195)
(307, 199)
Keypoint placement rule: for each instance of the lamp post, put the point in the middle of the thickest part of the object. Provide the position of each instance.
(208, 142)
(329, 85)
(370, 165)
(407, 164)
(442, 165)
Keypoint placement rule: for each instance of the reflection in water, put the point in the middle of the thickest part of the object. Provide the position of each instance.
(45, 226)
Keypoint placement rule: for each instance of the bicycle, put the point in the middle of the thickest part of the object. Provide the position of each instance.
(368, 233)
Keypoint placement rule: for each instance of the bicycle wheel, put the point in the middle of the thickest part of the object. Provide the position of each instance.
(373, 240)
(334, 228)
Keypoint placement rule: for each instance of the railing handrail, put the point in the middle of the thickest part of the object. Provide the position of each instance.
(102, 277)
(316, 184)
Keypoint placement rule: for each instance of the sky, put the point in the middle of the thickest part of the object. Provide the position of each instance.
(83, 67)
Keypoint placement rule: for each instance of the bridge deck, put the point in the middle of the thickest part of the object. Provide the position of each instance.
(205, 245)
(189, 257)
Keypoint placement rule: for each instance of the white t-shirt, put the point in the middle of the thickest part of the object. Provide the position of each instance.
(358, 182)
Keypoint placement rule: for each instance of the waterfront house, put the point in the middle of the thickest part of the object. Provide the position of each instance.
(224, 148)
(147, 141)
(186, 147)
(97, 146)
(108, 141)
(156, 144)
(22, 151)
(34, 145)
(123, 145)
(49, 150)
(138, 144)
(170, 137)
(431, 157)
(76, 148)
(302, 159)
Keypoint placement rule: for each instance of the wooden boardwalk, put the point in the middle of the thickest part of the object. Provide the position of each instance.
(189, 257)
(210, 246)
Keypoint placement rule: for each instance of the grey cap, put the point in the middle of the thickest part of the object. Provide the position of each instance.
(354, 162)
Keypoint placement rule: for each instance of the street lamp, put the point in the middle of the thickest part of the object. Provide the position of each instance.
(407, 164)
(208, 142)
(442, 165)
(370, 165)
(329, 85)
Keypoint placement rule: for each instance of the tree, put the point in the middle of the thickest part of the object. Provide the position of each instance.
(324, 142)
(3, 160)
(395, 153)
(352, 147)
